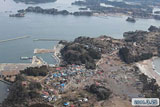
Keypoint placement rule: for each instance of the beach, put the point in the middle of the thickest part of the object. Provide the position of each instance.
(147, 67)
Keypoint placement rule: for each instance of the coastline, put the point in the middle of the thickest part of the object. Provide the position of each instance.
(148, 68)
(3, 93)
(122, 79)
(154, 66)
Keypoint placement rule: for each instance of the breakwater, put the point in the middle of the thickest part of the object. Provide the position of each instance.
(46, 40)
(12, 39)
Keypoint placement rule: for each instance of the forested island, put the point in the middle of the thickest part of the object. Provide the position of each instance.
(34, 1)
(133, 8)
(54, 11)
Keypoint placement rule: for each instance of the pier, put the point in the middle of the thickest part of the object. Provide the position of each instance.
(40, 51)
(12, 39)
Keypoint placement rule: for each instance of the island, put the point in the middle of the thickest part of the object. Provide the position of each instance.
(96, 9)
(131, 8)
(99, 72)
(34, 1)
(131, 19)
(134, 8)
(54, 11)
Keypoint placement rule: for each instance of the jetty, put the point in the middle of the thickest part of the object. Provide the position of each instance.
(12, 39)
(40, 51)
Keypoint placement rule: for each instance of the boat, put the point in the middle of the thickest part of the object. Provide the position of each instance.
(25, 58)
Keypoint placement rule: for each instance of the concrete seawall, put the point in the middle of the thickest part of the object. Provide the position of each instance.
(8, 83)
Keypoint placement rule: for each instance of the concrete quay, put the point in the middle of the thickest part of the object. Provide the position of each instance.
(40, 51)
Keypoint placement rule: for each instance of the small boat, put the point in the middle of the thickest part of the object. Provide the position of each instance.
(25, 58)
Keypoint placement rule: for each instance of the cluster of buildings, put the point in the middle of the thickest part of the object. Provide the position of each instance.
(59, 81)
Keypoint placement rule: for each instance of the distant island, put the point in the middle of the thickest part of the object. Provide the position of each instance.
(133, 8)
(34, 1)
(131, 19)
(53, 11)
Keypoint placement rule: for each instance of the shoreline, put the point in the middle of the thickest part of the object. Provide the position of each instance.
(3, 88)
(154, 66)
(148, 68)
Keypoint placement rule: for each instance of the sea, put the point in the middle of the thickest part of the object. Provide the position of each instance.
(40, 26)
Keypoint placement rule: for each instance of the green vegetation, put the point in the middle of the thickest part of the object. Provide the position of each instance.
(150, 87)
(101, 92)
(75, 53)
(21, 91)
(35, 71)
(127, 57)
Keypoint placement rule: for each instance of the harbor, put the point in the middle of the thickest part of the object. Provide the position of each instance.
(8, 71)
(55, 52)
